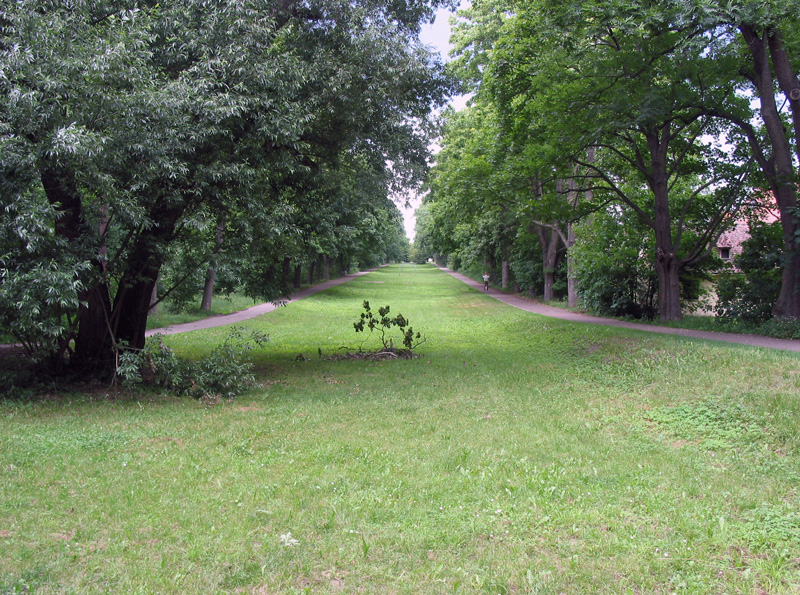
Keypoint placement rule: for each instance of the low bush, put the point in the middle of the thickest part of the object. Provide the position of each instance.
(224, 374)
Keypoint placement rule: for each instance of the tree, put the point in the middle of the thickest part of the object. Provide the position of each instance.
(133, 120)
(636, 85)
(759, 41)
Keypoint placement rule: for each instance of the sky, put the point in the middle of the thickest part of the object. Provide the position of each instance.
(436, 35)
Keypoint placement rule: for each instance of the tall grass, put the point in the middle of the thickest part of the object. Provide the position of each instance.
(516, 454)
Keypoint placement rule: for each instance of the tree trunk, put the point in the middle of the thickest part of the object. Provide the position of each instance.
(93, 336)
(94, 341)
(667, 263)
(669, 288)
(548, 240)
(311, 266)
(572, 282)
(153, 300)
(208, 289)
(298, 273)
(129, 312)
(211, 273)
(782, 177)
(326, 268)
(505, 274)
(286, 272)
(788, 303)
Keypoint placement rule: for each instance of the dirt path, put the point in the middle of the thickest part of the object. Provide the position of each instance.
(511, 300)
(536, 308)
(247, 314)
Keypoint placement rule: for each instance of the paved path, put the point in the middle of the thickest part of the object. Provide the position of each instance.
(536, 308)
(241, 315)
(511, 300)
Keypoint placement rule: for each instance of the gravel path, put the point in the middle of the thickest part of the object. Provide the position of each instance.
(536, 308)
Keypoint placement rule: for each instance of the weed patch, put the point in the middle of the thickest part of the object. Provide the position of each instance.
(711, 424)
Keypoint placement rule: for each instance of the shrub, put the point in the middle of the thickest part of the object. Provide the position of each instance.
(383, 324)
(615, 275)
(750, 294)
(225, 373)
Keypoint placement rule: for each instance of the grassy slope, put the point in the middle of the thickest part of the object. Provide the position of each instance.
(517, 455)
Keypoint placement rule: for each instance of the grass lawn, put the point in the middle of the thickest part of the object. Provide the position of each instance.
(517, 454)
(219, 305)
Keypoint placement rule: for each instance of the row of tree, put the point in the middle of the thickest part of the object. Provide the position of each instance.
(664, 121)
(197, 135)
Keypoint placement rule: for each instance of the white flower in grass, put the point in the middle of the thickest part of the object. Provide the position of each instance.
(288, 541)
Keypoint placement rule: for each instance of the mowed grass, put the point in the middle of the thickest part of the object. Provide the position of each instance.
(219, 305)
(516, 454)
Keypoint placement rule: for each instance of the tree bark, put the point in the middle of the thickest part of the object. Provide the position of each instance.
(286, 271)
(153, 300)
(572, 282)
(211, 273)
(93, 336)
(129, 312)
(298, 273)
(208, 289)
(548, 240)
(505, 274)
(780, 172)
(667, 263)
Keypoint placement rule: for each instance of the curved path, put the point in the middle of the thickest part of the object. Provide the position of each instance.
(536, 308)
(511, 300)
(258, 310)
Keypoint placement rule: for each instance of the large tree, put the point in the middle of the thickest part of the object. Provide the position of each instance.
(759, 40)
(634, 84)
(123, 122)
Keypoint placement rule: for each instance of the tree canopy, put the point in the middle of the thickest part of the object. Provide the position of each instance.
(643, 107)
(130, 128)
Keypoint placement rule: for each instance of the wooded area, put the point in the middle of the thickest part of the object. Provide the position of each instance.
(167, 150)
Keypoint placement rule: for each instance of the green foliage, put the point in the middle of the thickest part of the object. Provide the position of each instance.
(750, 292)
(149, 127)
(619, 279)
(770, 524)
(40, 283)
(711, 424)
(383, 324)
(223, 374)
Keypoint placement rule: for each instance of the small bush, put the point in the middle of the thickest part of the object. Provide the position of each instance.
(383, 324)
(225, 373)
(749, 295)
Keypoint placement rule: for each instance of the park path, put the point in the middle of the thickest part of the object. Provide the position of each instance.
(252, 312)
(511, 300)
(550, 311)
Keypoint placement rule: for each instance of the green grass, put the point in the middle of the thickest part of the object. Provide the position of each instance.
(219, 305)
(517, 454)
